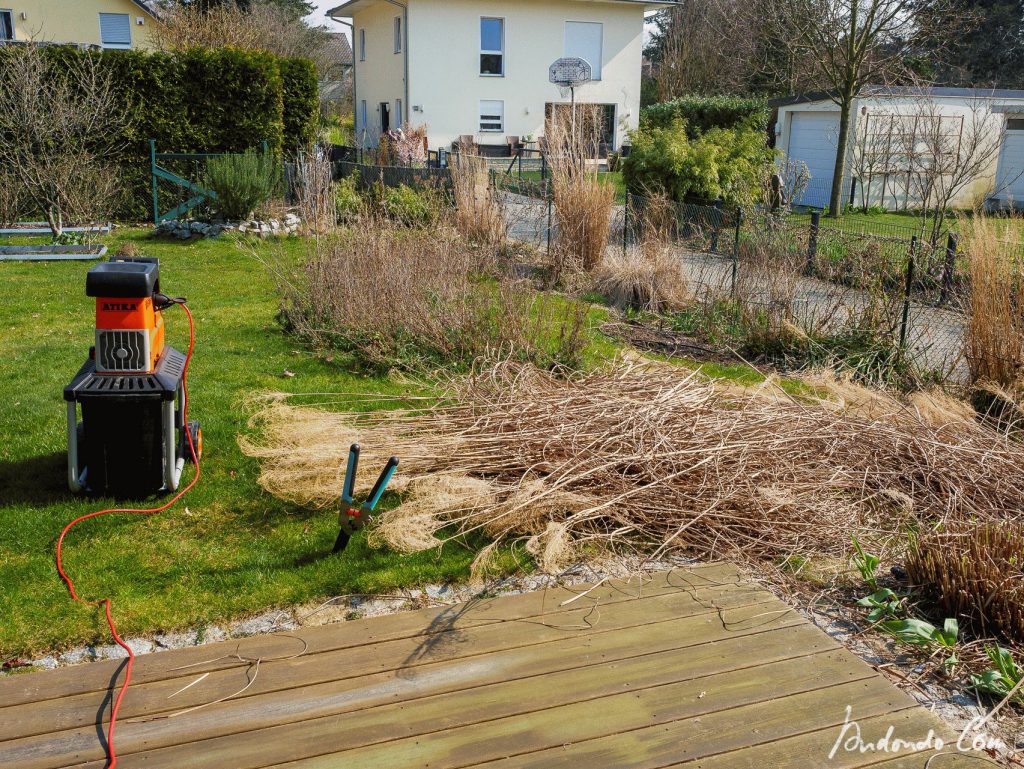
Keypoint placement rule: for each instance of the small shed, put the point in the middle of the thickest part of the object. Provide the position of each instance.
(896, 135)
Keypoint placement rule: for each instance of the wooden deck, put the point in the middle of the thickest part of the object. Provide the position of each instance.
(690, 668)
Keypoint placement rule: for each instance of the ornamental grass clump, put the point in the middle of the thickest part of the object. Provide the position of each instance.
(975, 571)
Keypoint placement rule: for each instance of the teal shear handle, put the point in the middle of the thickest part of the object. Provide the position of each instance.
(382, 483)
(348, 490)
(350, 519)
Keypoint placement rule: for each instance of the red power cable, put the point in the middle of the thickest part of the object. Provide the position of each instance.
(105, 602)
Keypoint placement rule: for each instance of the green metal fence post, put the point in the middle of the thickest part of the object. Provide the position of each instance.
(904, 323)
(152, 172)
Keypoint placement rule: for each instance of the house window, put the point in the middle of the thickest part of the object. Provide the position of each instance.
(115, 30)
(492, 116)
(398, 34)
(362, 45)
(584, 40)
(362, 115)
(6, 25)
(492, 47)
(1015, 124)
(398, 113)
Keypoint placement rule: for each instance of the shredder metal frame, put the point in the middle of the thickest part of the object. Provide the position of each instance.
(165, 382)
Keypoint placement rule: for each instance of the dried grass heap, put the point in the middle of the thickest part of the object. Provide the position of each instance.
(644, 456)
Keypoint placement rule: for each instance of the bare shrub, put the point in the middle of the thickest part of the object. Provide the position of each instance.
(583, 203)
(478, 215)
(410, 143)
(12, 199)
(995, 329)
(417, 299)
(61, 132)
(314, 190)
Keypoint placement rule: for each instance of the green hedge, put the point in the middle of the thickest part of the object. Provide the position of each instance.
(203, 100)
(301, 94)
(702, 113)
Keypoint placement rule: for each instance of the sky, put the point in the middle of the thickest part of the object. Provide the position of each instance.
(317, 18)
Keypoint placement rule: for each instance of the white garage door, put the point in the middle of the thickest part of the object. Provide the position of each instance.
(813, 138)
(1010, 185)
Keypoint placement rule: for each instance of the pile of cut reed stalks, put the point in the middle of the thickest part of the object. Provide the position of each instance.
(652, 458)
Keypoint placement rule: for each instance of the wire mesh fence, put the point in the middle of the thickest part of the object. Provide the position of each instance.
(819, 275)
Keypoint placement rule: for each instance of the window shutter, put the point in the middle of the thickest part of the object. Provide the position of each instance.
(115, 30)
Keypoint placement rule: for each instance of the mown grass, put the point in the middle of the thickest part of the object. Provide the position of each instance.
(228, 549)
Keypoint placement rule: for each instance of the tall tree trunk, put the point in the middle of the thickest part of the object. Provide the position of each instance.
(835, 199)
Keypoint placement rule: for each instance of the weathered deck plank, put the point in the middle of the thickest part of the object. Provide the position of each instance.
(696, 669)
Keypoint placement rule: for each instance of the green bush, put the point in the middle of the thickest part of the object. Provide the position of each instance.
(243, 182)
(201, 100)
(347, 201)
(722, 164)
(409, 207)
(704, 113)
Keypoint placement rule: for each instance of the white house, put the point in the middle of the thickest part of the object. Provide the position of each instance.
(480, 67)
(897, 133)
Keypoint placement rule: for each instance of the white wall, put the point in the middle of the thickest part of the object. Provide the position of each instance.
(444, 48)
(381, 77)
(897, 192)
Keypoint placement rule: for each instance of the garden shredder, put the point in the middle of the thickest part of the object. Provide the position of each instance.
(132, 439)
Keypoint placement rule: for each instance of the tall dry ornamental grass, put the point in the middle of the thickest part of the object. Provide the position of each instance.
(583, 203)
(477, 213)
(995, 330)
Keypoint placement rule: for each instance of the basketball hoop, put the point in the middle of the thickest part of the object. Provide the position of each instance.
(569, 74)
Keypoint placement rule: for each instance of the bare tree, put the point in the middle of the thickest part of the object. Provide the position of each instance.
(689, 56)
(62, 132)
(855, 43)
(946, 153)
(263, 26)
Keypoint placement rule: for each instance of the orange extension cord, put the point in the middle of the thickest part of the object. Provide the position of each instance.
(105, 602)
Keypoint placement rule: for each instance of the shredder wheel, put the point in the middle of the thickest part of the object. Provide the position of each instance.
(196, 432)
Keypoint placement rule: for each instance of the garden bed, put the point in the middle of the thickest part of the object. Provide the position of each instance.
(52, 253)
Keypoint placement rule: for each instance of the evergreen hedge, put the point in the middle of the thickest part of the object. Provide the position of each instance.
(702, 113)
(202, 100)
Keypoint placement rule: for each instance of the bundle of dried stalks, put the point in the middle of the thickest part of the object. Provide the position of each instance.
(477, 213)
(975, 572)
(995, 331)
(646, 456)
(314, 190)
(583, 203)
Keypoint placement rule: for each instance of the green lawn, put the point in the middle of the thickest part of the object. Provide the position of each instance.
(228, 549)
